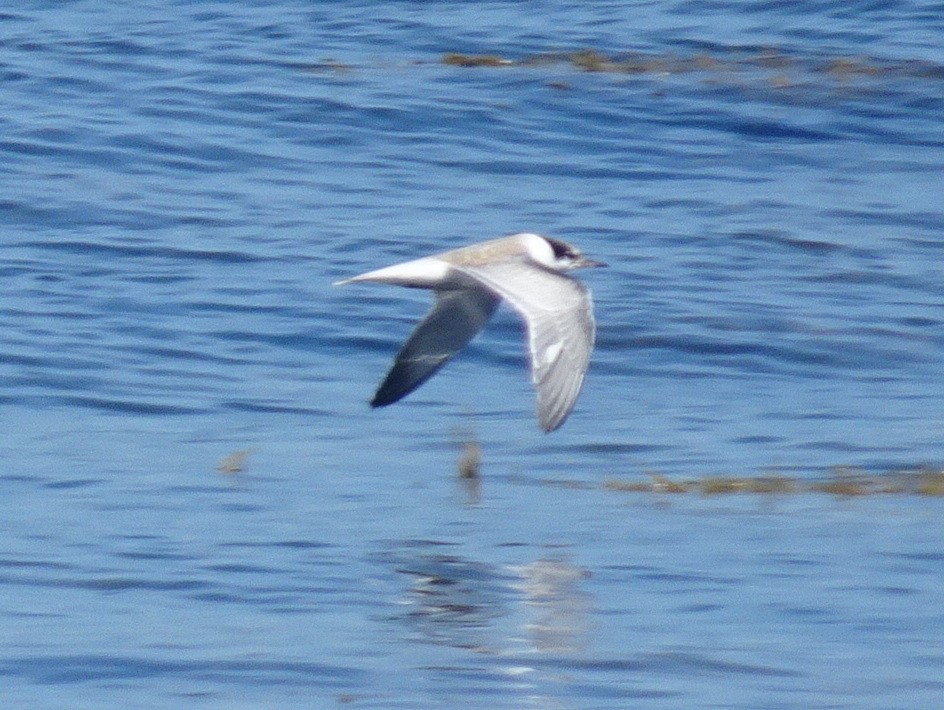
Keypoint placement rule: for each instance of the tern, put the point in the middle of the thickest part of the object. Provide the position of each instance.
(529, 271)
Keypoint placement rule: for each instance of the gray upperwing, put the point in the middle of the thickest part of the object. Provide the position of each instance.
(558, 312)
(456, 317)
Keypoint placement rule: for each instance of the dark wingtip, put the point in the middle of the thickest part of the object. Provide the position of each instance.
(393, 388)
(382, 398)
(377, 402)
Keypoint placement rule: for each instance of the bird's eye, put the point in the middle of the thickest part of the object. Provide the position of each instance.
(562, 251)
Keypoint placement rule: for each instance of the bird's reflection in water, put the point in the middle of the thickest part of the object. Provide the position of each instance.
(456, 602)
(475, 606)
(559, 609)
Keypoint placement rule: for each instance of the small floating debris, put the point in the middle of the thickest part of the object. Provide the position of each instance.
(469, 463)
(234, 463)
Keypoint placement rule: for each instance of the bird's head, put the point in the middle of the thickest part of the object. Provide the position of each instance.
(567, 257)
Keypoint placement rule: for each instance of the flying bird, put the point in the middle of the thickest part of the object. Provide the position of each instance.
(529, 271)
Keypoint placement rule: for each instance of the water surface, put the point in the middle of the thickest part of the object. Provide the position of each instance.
(181, 185)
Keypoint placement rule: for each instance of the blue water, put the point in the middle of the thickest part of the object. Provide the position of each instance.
(181, 183)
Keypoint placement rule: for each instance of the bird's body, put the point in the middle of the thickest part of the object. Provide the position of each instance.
(527, 270)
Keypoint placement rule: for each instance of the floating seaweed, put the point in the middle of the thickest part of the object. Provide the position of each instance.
(841, 482)
(475, 60)
(720, 63)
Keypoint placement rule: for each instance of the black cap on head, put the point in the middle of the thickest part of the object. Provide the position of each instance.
(562, 250)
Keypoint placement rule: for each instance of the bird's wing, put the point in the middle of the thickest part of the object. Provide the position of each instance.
(456, 317)
(558, 313)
